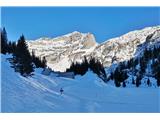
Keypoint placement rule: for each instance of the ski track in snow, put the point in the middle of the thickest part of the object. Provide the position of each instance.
(40, 93)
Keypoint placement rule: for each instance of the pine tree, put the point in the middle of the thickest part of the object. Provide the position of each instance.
(13, 47)
(143, 64)
(138, 80)
(94, 65)
(156, 71)
(133, 82)
(22, 59)
(120, 74)
(117, 83)
(124, 84)
(38, 62)
(9, 47)
(157, 76)
(148, 82)
(97, 67)
(4, 41)
(79, 68)
(44, 62)
(112, 76)
(116, 77)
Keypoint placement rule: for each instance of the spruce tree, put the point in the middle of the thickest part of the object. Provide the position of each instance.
(44, 62)
(117, 83)
(124, 84)
(148, 82)
(120, 74)
(97, 67)
(138, 80)
(9, 47)
(22, 58)
(4, 41)
(133, 82)
(94, 65)
(157, 76)
(38, 62)
(156, 70)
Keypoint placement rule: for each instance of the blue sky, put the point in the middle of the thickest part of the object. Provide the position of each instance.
(103, 22)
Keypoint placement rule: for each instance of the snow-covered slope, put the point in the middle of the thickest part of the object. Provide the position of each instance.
(126, 46)
(86, 93)
(60, 52)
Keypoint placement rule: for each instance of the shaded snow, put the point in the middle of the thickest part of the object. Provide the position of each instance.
(86, 93)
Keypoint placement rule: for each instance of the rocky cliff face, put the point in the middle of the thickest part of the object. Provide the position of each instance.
(126, 46)
(60, 52)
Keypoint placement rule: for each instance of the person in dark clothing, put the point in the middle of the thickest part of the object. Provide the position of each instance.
(61, 91)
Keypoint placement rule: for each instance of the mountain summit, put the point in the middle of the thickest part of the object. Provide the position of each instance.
(61, 51)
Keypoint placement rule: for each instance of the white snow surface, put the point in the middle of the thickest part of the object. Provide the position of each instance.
(74, 46)
(63, 50)
(87, 93)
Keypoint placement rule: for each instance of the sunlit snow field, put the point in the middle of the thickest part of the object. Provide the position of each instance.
(88, 93)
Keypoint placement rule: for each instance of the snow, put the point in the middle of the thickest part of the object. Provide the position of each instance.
(87, 93)
(61, 65)
(74, 46)
(63, 49)
(125, 47)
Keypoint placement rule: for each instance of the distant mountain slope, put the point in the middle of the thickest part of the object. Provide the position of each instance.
(126, 46)
(60, 52)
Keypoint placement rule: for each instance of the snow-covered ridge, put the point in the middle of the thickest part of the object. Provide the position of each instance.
(126, 46)
(61, 51)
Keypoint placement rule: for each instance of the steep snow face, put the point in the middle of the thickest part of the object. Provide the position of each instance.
(60, 52)
(126, 46)
(87, 93)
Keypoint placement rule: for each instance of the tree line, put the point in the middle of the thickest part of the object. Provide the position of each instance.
(138, 67)
(22, 61)
(93, 64)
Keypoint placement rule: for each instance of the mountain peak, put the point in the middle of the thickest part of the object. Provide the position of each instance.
(72, 47)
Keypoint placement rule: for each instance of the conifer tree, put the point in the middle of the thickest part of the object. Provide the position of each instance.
(22, 59)
(38, 62)
(148, 82)
(4, 41)
(124, 84)
(138, 80)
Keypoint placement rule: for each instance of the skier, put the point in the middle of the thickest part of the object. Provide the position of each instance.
(61, 91)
